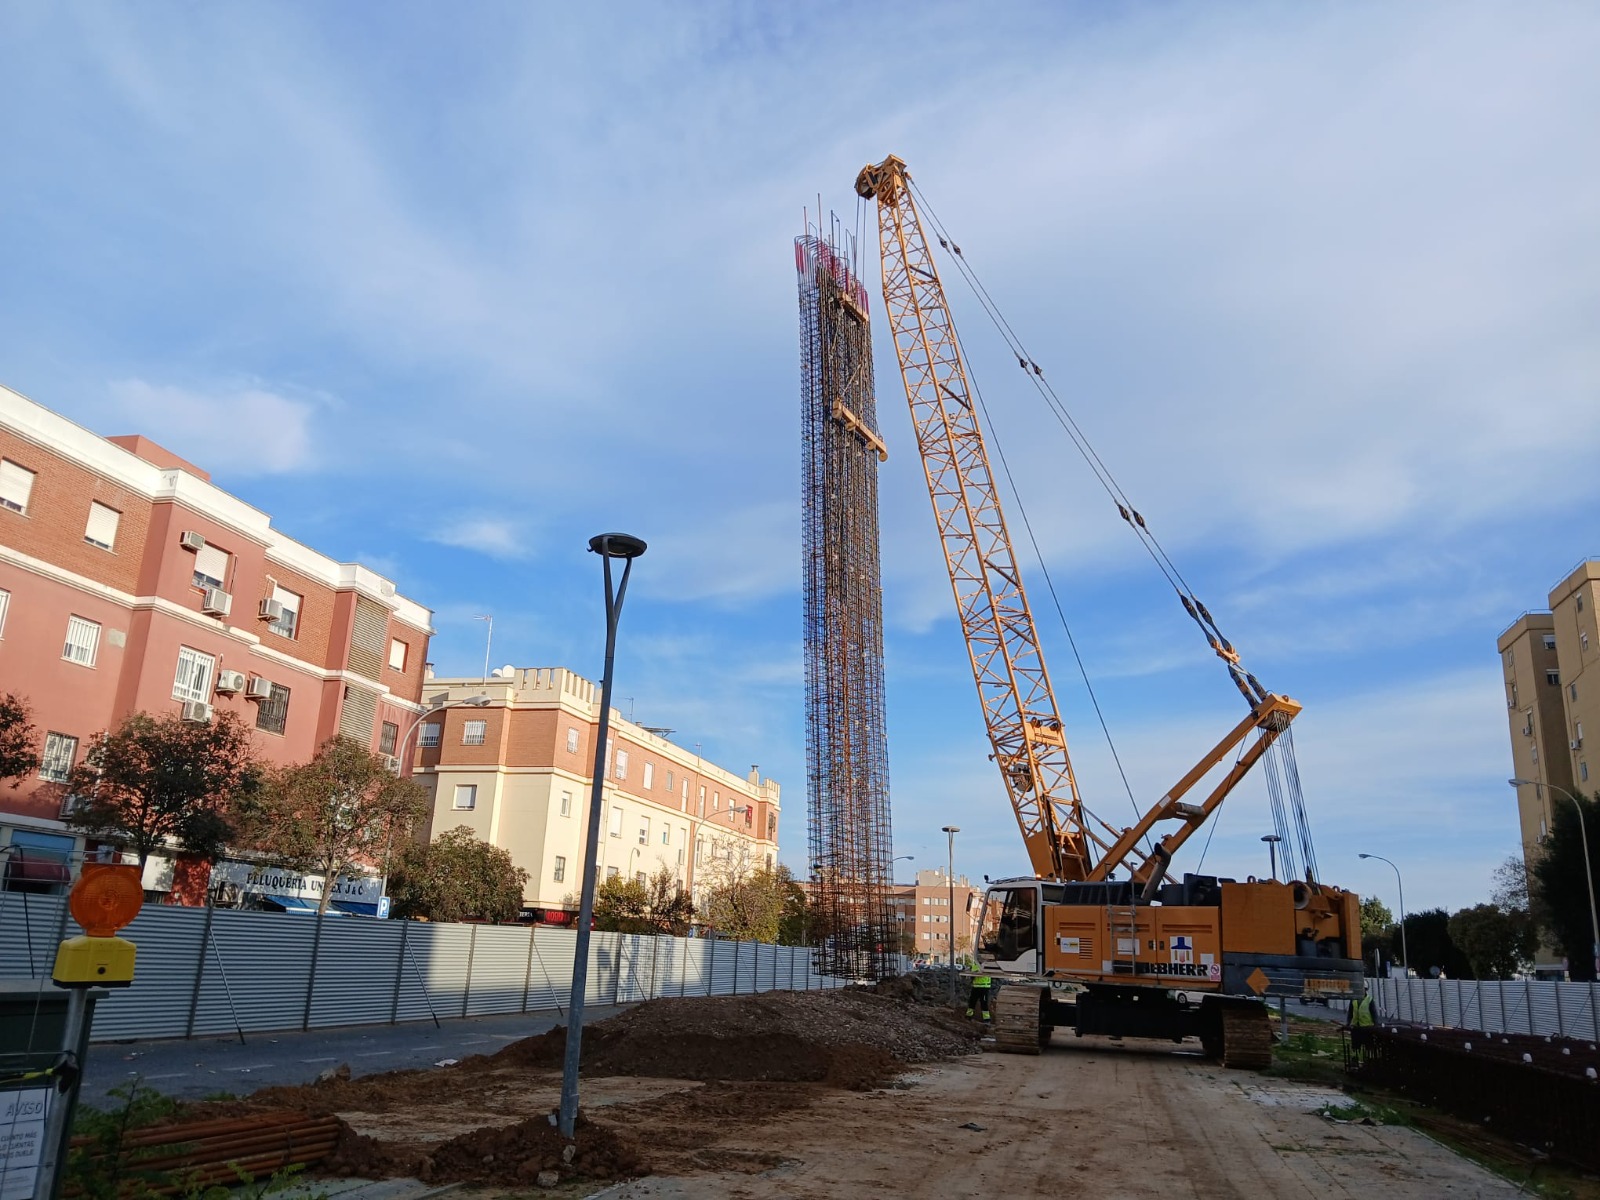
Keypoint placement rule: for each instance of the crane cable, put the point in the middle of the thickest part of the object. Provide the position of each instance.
(1282, 770)
(1250, 687)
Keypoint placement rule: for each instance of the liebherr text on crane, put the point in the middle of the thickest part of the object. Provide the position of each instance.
(1073, 946)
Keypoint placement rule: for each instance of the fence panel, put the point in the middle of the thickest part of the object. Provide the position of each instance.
(158, 1003)
(342, 994)
(1541, 1007)
(29, 934)
(499, 970)
(550, 971)
(724, 964)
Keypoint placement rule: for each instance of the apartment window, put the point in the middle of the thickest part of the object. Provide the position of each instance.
(1580, 601)
(60, 752)
(566, 804)
(466, 796)
(666, 836)
(1549, 641)
(102, 527)
(649, 775)
(686, 794)
(83, 641)
(644, 831)
(716, 801)
(1583, 771)
(560, 873)
(1553, 678)
(616, 820)
(680, 856)
(5, 605)
(388, 734)
(612, 872)
(474, 733)
(16, 485)
(1583, 641)
(289, 623)
(397, 654)
(638, 877)
(272, 715)
(1578, 731)
(669, 783)
(619, 764)
(193, 680)
(572, 741)
(1572, 690)
(699, 850)
(428, 738)
(210, 566)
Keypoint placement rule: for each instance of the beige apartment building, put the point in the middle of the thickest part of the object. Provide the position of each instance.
(511, 758)
(927, 918)
(1551, 665)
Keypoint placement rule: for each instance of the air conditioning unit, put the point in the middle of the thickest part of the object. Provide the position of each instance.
(1575, 744)
(190, 540)
(392, 763)
(259, 688)
(271, 610)
(230, 681)
(216, 602)
(70, 805)
(193, 710)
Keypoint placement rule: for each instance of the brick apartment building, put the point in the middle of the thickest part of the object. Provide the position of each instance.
(928, 920)
(1550, 660)
(512, 758)
(129, 582)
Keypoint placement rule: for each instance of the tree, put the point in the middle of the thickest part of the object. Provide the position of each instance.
(341, 810)
(1511, 885)
(18, 739)
(658, 905)
(747, 907)
(1427, 937)
(456, 877)
(1376, 920)
(155, 781)
(795, 923)
(1496, 943)
(1559, 883)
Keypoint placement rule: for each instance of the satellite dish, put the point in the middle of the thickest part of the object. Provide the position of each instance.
(505, 672)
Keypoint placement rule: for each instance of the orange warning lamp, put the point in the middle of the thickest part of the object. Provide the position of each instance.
(106, 897)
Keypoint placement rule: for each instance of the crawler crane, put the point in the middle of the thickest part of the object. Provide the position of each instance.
(1074, 946)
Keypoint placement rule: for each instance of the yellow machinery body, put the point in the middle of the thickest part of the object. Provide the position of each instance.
(85, 961)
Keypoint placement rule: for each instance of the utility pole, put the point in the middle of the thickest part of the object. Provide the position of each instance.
(950, 878)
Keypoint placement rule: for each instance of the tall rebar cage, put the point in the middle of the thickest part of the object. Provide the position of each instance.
(847, 760)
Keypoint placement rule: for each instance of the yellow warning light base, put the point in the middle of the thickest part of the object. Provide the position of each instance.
(85, 961)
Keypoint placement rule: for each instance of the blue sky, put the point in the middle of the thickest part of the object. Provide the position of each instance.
(447, 289)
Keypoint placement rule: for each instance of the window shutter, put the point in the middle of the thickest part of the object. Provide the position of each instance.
(102, 527)
(368, 639)
(16, 485)
(360, 712)
(213, 564)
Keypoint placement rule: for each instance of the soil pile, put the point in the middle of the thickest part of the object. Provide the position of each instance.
(507, 1154)
(851, 1039)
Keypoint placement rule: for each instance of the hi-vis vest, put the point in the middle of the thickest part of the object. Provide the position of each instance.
(1361, 1012)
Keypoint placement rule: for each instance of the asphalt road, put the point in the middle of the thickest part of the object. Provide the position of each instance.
(193, 1069)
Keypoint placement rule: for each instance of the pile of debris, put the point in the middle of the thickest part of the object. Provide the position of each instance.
(753, 1057)
(852, 1038)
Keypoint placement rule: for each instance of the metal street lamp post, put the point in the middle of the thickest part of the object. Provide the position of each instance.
(950, 878)
(1272, 840)
(608, 546)
(1405, 955)
(1588, 870)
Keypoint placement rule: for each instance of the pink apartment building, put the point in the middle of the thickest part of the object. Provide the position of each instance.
(129, 581)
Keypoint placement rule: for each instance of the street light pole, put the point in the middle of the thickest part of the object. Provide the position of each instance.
(627, 548)
(950, 878)
(1405, 955)
(1588, 870)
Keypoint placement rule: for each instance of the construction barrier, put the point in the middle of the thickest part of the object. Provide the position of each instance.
(1541, 1007)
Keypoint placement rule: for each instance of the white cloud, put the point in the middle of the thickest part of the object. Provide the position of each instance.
(238, 431)
(498, 537)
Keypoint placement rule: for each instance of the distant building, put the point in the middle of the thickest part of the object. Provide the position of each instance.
(926, 917)
(517, 771)
(128, 582)
(1550, 661)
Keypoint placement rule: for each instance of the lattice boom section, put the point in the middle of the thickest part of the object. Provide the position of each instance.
(847, 767)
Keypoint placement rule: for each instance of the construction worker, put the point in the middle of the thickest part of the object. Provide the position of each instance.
(978, 997)
(1362, 1020)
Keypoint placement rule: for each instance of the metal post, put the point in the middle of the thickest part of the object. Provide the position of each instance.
(950, 878)
(52, 1155)
(607, 546)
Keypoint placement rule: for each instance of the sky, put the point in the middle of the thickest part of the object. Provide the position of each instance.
(447, 289)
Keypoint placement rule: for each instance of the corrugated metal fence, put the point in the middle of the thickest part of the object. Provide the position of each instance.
(201, 971)
(1540, 1007)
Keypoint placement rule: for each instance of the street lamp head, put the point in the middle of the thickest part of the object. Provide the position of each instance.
(1270, 837)
(951, 829)
(1523, 782)
(1363, 856)
(617, 545)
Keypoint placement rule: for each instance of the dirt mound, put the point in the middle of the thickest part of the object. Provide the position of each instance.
(851, 1039)
(507, 1154)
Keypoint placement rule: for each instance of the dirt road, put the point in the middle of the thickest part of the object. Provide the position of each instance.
(1086, 1118)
